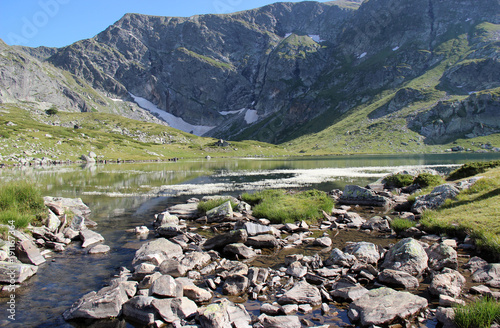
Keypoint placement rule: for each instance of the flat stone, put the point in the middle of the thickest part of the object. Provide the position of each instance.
(99, 249)
(90, 237)
(288, 321)
(301, 293)
(174, 309)
(160, 248)
(296, 269)
(197, 294)
(16, 273)
(347, 290)
(323, 242)
(398, 279)
(240, 250)
(262, 241)
(233, 237)
(166, 286)
(184, 211)
(28, 253)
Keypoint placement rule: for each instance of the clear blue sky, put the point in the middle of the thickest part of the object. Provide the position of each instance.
(57, 23)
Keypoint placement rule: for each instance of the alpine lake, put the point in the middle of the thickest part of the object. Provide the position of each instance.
(124, 196)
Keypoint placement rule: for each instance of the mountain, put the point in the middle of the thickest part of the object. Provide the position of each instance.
(335, 76)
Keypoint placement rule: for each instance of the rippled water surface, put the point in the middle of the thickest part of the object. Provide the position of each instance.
(123, 196)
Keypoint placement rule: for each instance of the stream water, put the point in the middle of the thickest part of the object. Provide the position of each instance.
(123, 196)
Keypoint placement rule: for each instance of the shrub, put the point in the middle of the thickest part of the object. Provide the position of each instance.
(471, 169)
(428, 180)
(400, 225)
(480, 314)
(52, 111)
(399, 180)
(281, 207)
(204, 207)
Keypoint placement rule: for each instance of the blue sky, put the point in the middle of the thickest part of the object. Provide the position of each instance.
(57, 23)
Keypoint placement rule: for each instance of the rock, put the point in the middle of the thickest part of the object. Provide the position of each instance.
(197, 294)
(296, 270)
(140, 309)
(233, 237)
(442, 256)
(301, 293)
(383, 305)
(337, 257)
(169, 230)
(16, 273)
(235, 268)
(220, 213)
(184, 211)
(323, 242)
(377, 223)
(106, 303)
(446, 316)
(160, 248)
(254, 229)
(347, 290)
(173, 309)
(407, 255)
(398, 279)
(99, 249)
(258, 276)
(435, 199)
(240, 250)
(166, 286)
(130, 287)
(487, 273)
(262, 241)
(223, 314)
(165, 218)
(71, 234)
(74, 205)
(142, 270)
(173, 268)
(356, 195)
(78, 223)
(195, 260)
(148, 280)
(142, 230)
(280, 321)
(353, 220)
(28, 253)
(449, 282)
(53, 222)
(87, 159)
(90, 237)
(365, 252)
(305, 308)
(448, 301)
(271, 309)
(235, 285)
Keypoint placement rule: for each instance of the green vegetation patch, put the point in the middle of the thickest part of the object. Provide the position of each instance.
(400, 225)
(479, 314)
(399, 180)
(428, 180)
(471, 169)
(205, 206)
(280, 206)
(21, 203)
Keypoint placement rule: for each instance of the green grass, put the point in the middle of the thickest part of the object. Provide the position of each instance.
(479, 314)
(474, 212)
(280, 206)
(21, 203)
(428, 180)
(471, 169)
(399, 180)
(400, 225)
(205, 206)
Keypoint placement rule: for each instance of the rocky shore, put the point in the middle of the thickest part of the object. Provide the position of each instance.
(206, 271)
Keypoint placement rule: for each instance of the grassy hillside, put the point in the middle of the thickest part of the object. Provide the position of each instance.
(29, 133)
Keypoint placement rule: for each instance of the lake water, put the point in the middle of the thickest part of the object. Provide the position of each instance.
(123, 196)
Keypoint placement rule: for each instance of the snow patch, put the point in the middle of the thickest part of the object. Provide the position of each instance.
(395, 48)
(231, 112)
(114, 99)
(287, 35)
(316, 38)
(251, 116)
(174, 121)
(362, 55)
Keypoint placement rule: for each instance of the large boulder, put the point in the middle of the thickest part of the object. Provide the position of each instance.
(173, 309)
(365, 252)
(106, 303)
(157, 250)
(166, 286)
(449, 282)
(384, 305)
(442, 256)
(232, 237)
(407, 255)
(301, 293)
(27, 252)
(235, 285)
(16, 273)
(356, 195)
(436, 198)
(140, 309)
(223, 314)
(337, 257)
(220, 213)
(90, 237)
(398, 279)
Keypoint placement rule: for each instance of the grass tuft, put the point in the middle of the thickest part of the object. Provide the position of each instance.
(428, 180)
(471, 169)
(399, 180)
(21, 203)
(204, 207)
(479, 314)
(400, 225)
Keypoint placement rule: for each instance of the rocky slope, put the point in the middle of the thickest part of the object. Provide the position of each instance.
(285, 70)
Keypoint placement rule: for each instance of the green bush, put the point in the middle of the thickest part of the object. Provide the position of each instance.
(399, 180)
(480, 314)
(400, 225)
(52, 111)
(281, 207)
(204, 207)
(20, 202)
(471, 169)
(428, 180)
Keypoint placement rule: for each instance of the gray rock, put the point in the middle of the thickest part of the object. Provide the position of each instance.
(195, 260)
(235, 268)
(383, 305)
(271, 309)
(288, 321)
(197, 294)
(106, 303)
(90, 237)
(487, 273)
(223, 314)
(442, 256)
(165, 218)
(235, 285)
(142, 270)
(365, 252)
(240, 250)
(220, 213)
(140, 309)
(301, 293)
(16, 273)
(323, 242)
(356, 195)
(347, 290)
(407, 255)
(159, 249)
(296, 269)
(449, 282)
(258, 276)
(99, 249)
(446, 316)
(232, 237)
(262, 241)
(173, 309)
(169, 230)
(398, 279)
(255, 229)
(78, 223)
(71, 234)
(53, 222)
(448, 301)
(28, 253)
(377, 223)
(148, 280)
(74, 205)
(436, 198)
(337, 257)
(130, 287)
(166, 286)
(353, 220)
(184, 211)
